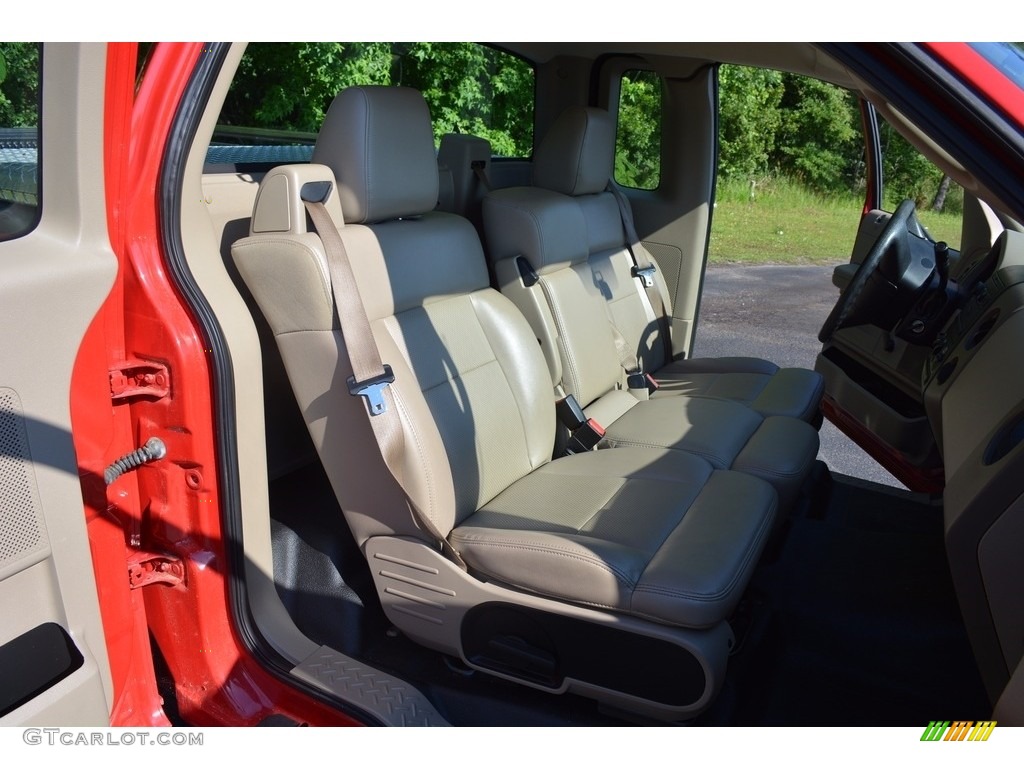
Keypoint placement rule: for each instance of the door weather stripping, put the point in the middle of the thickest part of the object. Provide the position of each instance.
(153, 449)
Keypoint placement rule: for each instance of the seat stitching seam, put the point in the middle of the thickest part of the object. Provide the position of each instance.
(515, 395)
(604, 504)
(556, 311)
(710, 457)
(428, 475)
(456, 375)
(753, 466)
(747, 557)
(531, 547)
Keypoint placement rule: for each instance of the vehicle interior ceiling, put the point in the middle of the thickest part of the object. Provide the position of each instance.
(872, 605)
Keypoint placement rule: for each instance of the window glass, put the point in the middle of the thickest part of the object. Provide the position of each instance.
(19, 138)
(1007, 57)
(638, 132)
(907, 174)
(282, 91)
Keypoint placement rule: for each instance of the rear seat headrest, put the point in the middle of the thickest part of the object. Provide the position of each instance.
(577, 155)
(379, 142)
(459, 154)
(547, 228)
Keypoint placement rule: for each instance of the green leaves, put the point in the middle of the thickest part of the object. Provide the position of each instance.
(19, 85)
(749, 120)
(909, 175)
(773, 122)
(470, 88)
(289, 86)
(638, 134)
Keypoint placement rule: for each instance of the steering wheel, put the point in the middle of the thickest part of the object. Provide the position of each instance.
(896, 235)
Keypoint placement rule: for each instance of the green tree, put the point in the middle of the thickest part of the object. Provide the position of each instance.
(289, 86)
(819, 141)
(749, 119)
(907, 174)
(474, 89)
(19, 85)
(470, 88)
(638, 134)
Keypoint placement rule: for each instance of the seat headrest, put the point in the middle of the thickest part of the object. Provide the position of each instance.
(460, 153)
(546, 227)
(379, 142)
(577, 155)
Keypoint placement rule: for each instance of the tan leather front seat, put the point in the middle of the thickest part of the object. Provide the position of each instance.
(656, 541)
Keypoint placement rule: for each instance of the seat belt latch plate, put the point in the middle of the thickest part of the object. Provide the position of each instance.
(372, 389)
(646, 274)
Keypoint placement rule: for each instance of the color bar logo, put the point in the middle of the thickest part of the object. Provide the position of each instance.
(961, 730)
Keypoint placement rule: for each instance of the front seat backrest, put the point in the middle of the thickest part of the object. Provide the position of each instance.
(475, 399)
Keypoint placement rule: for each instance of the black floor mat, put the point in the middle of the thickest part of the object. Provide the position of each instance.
(855, 622)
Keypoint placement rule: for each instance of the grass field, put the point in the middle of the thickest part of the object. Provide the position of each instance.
(786, 224)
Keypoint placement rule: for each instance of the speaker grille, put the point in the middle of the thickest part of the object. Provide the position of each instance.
(20, 529)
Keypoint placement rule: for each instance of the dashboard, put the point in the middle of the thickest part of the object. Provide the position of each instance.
(946, 416)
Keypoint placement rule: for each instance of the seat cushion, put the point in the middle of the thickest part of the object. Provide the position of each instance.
(655, 533)
(778, 449)
(762, 385)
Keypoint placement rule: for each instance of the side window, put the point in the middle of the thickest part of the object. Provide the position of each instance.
(282, 91)
(19, 138)
(907, 174)
(638, 132)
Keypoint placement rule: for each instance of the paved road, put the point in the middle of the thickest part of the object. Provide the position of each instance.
(775, 312)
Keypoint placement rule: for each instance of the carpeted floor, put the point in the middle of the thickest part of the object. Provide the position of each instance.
(855, 622)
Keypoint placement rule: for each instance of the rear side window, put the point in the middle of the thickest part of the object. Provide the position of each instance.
(19, 138)
(282, 91)
(638, 135)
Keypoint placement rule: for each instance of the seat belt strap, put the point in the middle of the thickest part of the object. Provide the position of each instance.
(479, 168)
(371, 378)
(628, 358)
(644, 269)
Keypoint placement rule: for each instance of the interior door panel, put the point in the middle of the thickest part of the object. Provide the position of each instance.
(53, 662)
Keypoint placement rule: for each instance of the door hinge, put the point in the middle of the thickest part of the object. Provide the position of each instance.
(139, 378)
(145, 568)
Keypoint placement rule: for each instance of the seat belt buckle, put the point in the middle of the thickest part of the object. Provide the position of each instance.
(585, 437)
(569, 413)
(646, 274)
(372, 389)
(584, 433)
(638, 380)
